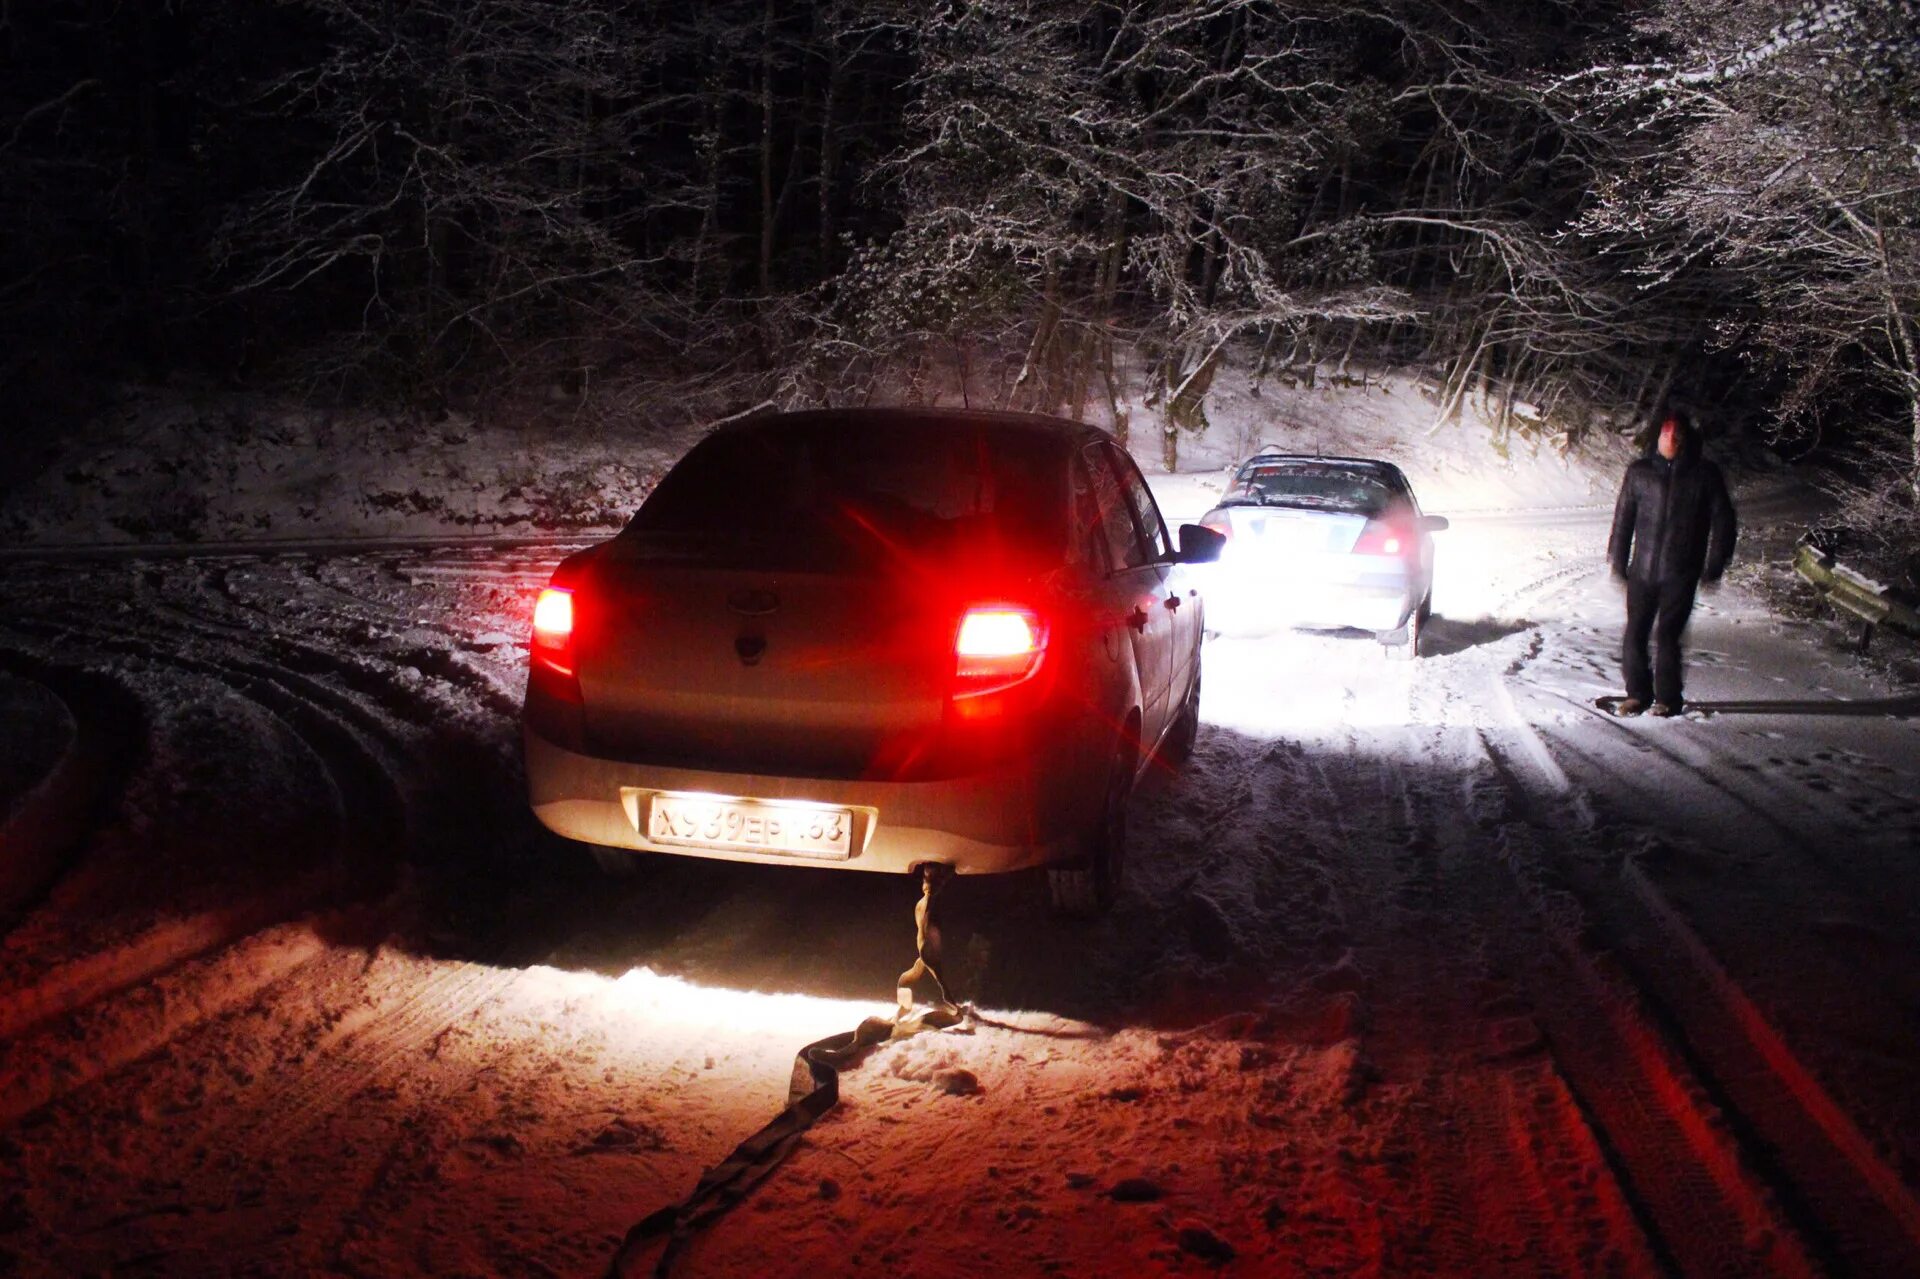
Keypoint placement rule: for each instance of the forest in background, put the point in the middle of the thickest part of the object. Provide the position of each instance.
(1570, 211)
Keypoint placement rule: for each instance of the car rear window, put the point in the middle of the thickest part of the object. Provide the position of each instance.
(836, 495)
(1321, 487)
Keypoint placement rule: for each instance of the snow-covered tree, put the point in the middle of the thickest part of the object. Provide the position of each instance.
(1769, 182)
(467, 173)
(1088, 171)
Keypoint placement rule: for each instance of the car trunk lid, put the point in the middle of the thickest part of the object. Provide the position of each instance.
(745, 670)
(1288, 532)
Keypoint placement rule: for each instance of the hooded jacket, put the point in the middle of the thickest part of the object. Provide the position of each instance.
(1673, 520)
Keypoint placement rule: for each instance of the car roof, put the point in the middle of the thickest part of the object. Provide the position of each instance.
(1315, 459)
(924, 419)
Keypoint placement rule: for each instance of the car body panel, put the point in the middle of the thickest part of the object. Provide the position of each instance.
(800, 672)
(1004, 819)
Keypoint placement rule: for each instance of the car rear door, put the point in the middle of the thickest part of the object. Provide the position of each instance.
(1138, 579)
(1179, 595)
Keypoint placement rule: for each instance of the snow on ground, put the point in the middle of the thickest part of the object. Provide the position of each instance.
(1423, 968)
(1455, 467)
(165, 467)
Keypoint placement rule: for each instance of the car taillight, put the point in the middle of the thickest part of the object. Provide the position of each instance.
(553, 627)
(1378, 538)
(996, 647)
(552, 647)
(1219, 521)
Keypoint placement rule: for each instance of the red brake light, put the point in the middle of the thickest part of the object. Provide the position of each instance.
(987, 634)
(553, 617)
(553, 630)
(1219, 521)
(996, 647)
(1383, 539)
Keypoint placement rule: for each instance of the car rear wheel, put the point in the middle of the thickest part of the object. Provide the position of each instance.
(1403, 645)
(1089, 887)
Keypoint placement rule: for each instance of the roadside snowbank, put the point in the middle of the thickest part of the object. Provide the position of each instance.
(163, 467)
(1455, 466)
(39, 731)
(224, 807)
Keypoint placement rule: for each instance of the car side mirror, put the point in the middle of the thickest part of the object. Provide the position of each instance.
(1199, 544)
(1434, 523)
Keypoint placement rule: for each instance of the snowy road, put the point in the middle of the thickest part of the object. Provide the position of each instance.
(1425, 968)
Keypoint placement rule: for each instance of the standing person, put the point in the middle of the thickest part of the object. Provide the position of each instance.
(1673, 530)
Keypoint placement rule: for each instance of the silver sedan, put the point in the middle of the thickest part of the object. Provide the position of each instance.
(1323, 543)
(873, 641)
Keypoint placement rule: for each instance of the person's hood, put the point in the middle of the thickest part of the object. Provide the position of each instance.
(1690, 446)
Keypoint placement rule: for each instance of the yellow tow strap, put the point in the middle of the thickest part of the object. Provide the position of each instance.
(814, 1091)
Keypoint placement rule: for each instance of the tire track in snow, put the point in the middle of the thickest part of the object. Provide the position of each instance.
(1535, 591)
(1461, 1071)
(56, 1062)
(1439, 1054)
(1680, 1163)
(355, 628)
(1801, 827)
(193, 622)
(358, 772)
(1823, 1113)
(1431, 968)
(1684, 1175)
(49, 826)
(1824, 1169)
(265, 630)
(1797, 888)
(1787, 1126)
(365, 1044)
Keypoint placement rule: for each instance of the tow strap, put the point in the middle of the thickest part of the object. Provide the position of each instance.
(814, 1091)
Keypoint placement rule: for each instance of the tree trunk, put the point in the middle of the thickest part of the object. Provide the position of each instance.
(1116, 405)
(829, 151)
(766, 151)
(1042, 336)
(1456, 386)
(1186, 400)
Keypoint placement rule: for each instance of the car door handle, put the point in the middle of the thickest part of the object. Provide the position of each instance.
(1173, 602)
(1139, 618)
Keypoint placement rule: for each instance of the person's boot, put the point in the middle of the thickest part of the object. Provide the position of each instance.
(1629, 706)
(1664, 710)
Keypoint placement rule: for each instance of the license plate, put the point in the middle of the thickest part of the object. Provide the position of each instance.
(1283, 534)
(751, 826)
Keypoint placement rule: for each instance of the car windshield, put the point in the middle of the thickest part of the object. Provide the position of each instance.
(1315, 486)
(862, 495)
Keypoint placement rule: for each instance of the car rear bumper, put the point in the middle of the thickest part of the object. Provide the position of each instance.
(1252, 599)
(978, 824)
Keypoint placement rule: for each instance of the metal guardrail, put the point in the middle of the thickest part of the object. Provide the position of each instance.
(1850, 592)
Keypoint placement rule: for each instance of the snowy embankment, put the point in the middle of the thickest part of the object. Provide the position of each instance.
(163, 467)
(43, 787)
